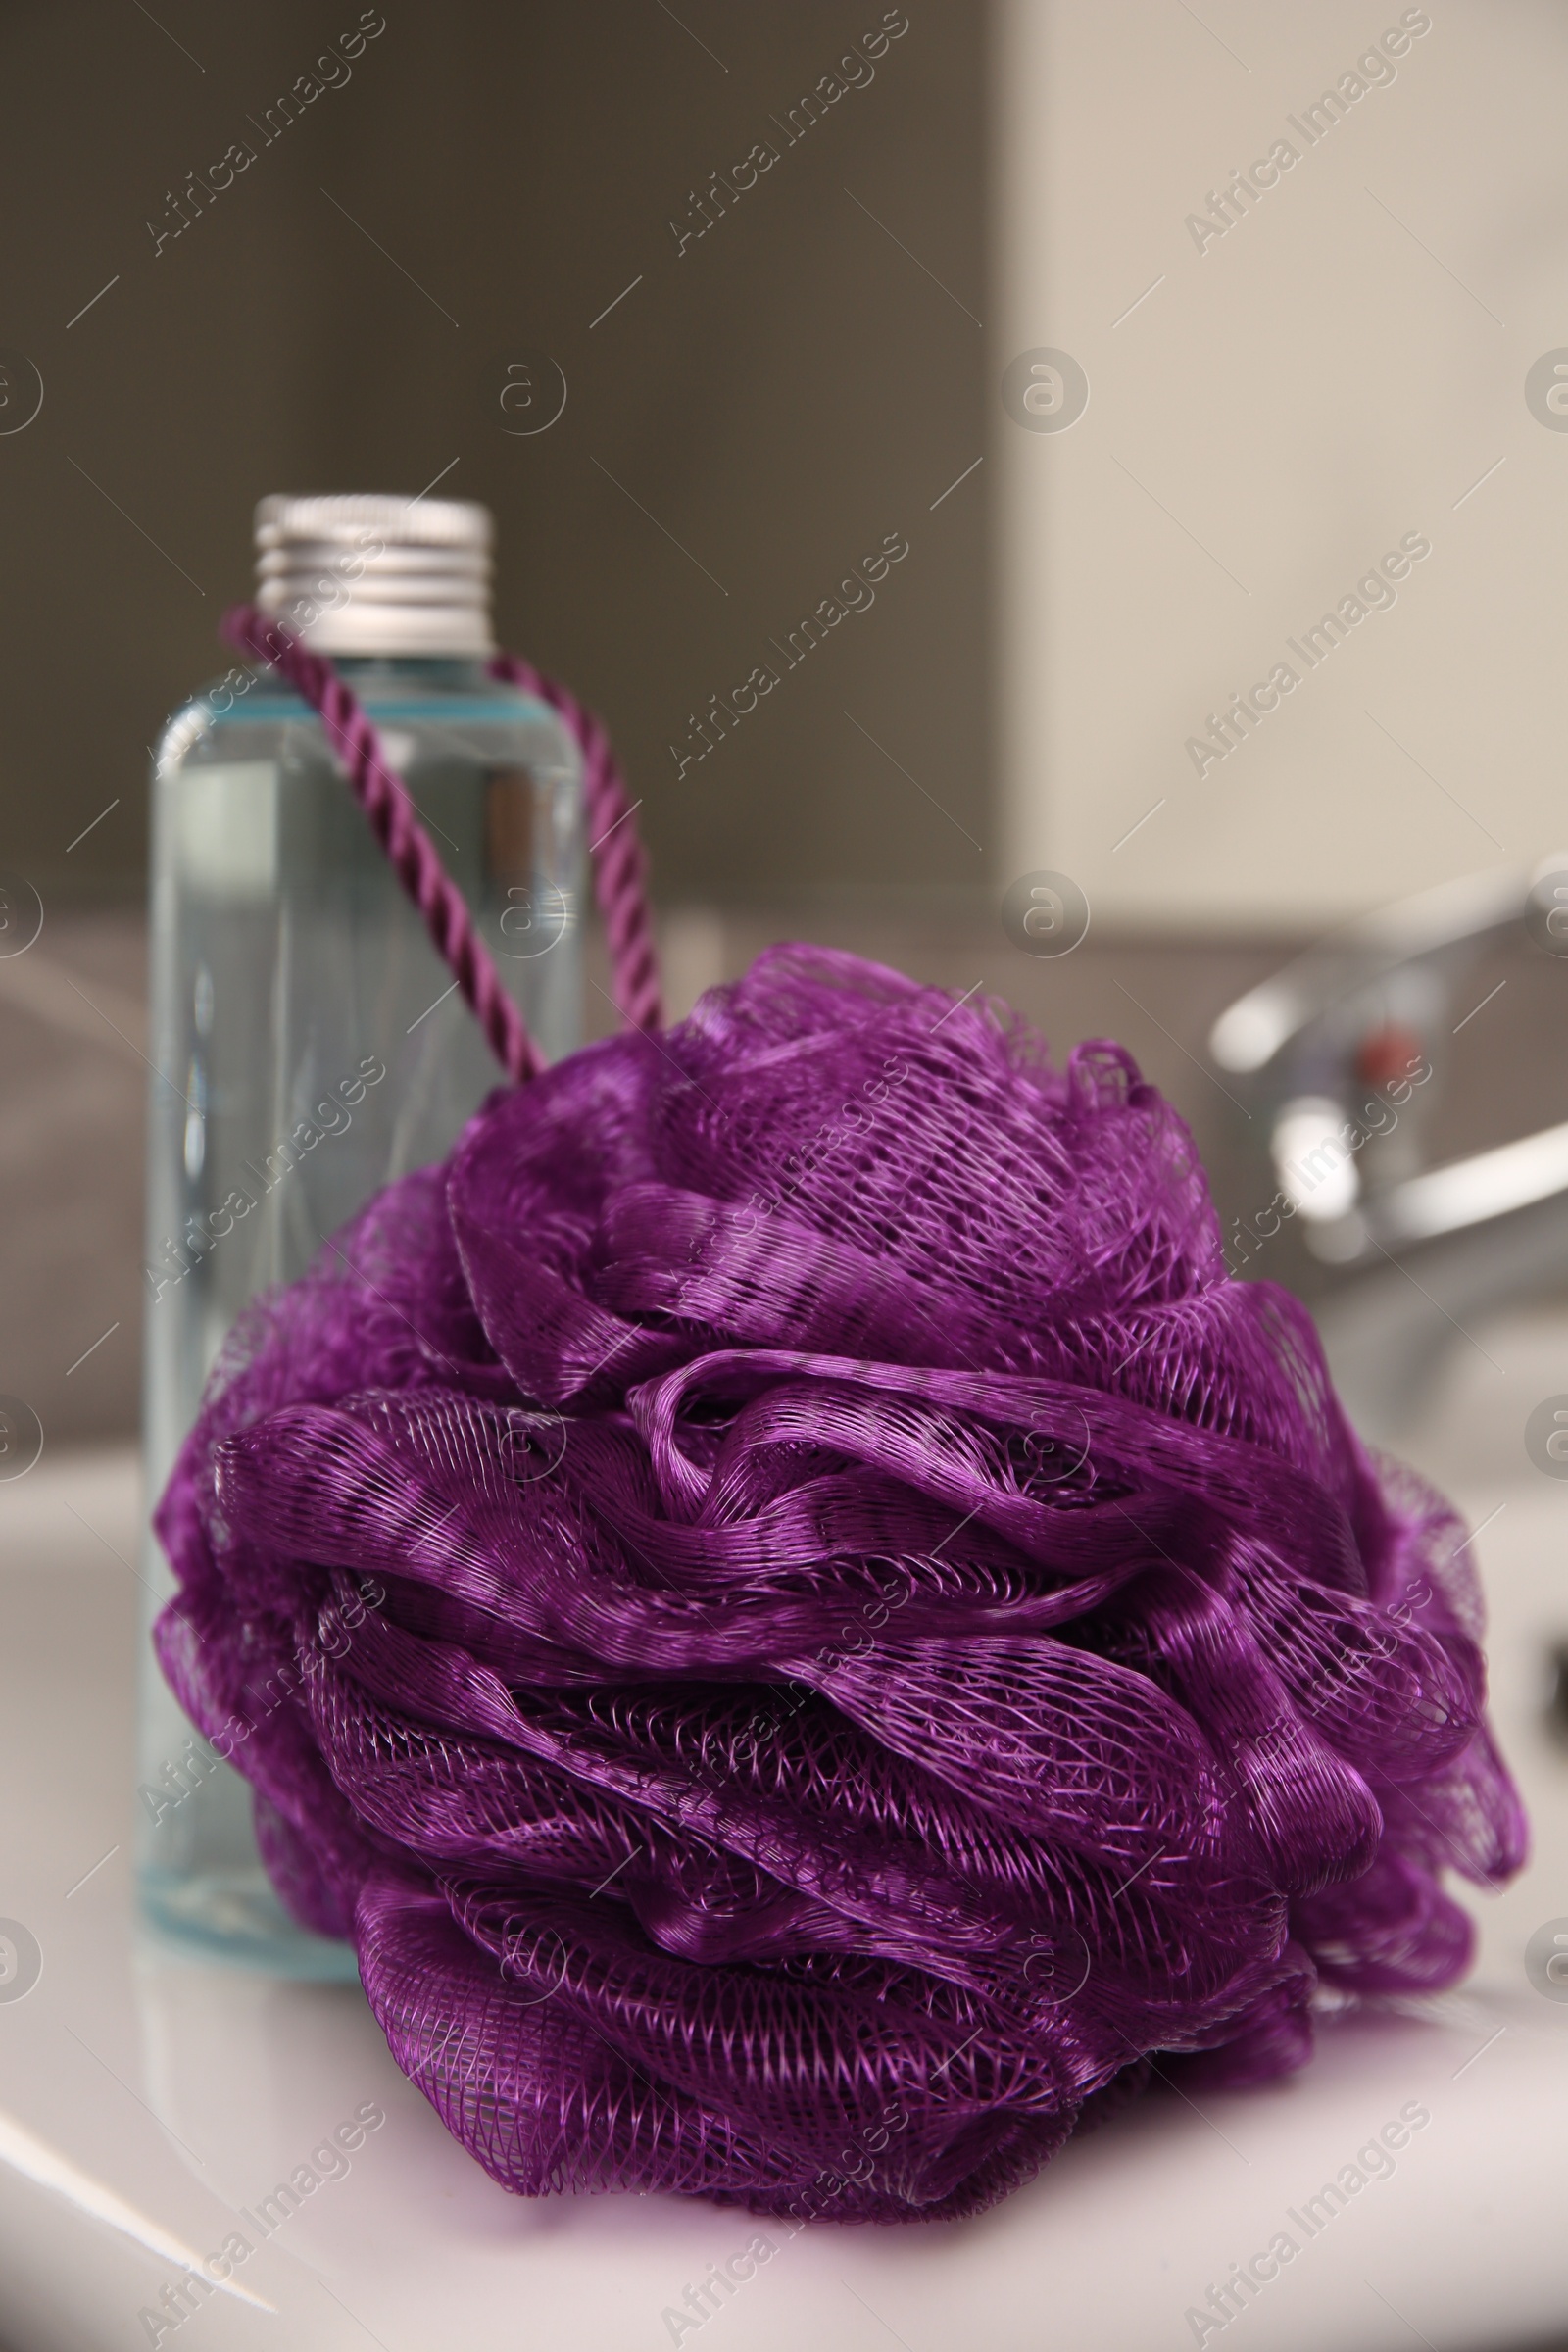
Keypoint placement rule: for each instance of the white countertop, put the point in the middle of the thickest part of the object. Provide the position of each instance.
(145, 2100)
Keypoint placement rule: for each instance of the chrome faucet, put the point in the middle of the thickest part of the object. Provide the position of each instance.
(1342, 1058)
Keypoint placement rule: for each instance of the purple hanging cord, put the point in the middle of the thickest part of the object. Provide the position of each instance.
(619, 861)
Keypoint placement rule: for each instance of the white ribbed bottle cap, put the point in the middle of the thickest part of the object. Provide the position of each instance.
(365, 574)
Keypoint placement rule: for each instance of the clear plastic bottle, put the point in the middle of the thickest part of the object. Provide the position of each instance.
(308, 1043)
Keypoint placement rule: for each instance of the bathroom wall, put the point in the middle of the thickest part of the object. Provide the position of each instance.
(278, 252)
(1356, 352)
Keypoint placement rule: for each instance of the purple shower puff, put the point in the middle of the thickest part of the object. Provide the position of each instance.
(808, 1631)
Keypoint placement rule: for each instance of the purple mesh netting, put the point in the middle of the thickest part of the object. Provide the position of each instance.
(806, 1626)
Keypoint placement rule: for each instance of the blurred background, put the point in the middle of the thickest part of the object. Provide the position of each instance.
(1151, 332)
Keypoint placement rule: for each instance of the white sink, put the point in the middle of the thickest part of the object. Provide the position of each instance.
(149, 2104)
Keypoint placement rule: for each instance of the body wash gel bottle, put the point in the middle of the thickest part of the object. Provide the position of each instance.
(309, 1044)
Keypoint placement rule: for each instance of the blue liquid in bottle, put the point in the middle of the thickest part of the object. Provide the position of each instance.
(296, 996)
